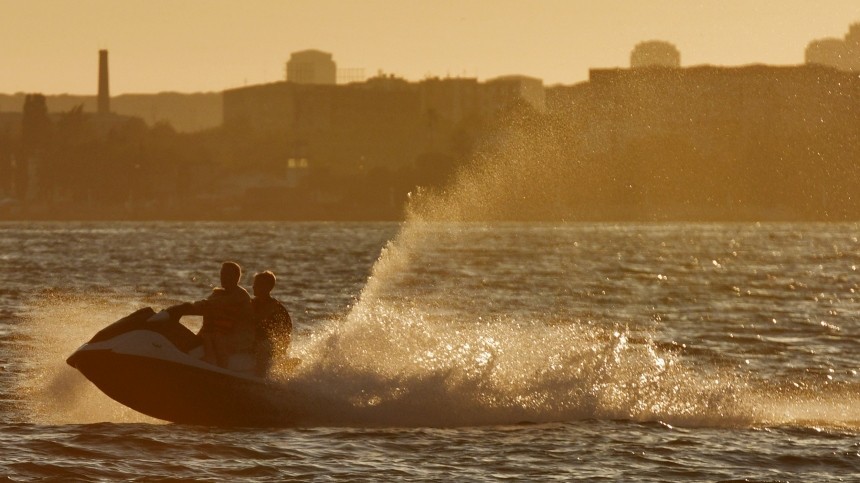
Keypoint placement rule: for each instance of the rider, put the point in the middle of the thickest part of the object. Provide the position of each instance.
(272, 322)
(227, 317)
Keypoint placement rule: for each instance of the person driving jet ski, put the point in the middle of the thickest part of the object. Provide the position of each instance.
(228, 317)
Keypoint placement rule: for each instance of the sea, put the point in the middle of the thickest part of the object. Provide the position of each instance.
(458, 351)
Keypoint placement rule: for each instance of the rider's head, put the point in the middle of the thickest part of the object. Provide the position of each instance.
(264, 282)
(230, 274)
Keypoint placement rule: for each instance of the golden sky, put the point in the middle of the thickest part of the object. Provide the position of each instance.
(50, 46)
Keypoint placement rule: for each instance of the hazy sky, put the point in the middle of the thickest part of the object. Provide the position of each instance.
(50, 46)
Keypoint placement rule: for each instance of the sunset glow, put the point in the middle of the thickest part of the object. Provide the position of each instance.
(50, 46)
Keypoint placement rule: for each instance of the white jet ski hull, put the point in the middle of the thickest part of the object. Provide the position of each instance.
(139, 365)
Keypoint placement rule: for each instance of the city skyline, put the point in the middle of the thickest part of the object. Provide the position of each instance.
(197, 46)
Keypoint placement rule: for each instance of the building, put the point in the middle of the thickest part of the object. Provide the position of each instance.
(713, 143)
(707, 101)
(311, 67)
(842, 54)
(501, 91)
(655, 53)
(383, 122)
(10, 133)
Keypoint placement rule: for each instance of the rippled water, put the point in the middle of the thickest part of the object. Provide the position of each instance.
(653, 352)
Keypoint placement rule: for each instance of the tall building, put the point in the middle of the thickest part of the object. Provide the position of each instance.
(311, 67)
(104, 87)
(35, 132)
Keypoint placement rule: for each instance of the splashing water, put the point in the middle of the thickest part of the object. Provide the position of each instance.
(412, 352)
(51, 391)
(404, 356)
(403, 367)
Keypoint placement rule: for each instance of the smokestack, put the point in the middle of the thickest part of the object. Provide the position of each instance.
(104, 88)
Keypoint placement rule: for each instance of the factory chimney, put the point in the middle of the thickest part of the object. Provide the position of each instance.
(104, 89)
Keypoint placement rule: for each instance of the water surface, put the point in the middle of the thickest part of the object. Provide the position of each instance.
(648, 352)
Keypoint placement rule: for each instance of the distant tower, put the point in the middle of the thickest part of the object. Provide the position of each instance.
(104, 87)
(311, 67)
(655, 53)
(35, 128)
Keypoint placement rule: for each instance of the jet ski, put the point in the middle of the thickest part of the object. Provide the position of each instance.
(155, 367)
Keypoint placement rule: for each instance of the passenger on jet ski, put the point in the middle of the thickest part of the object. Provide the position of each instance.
(272, 322)
(228, 317)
